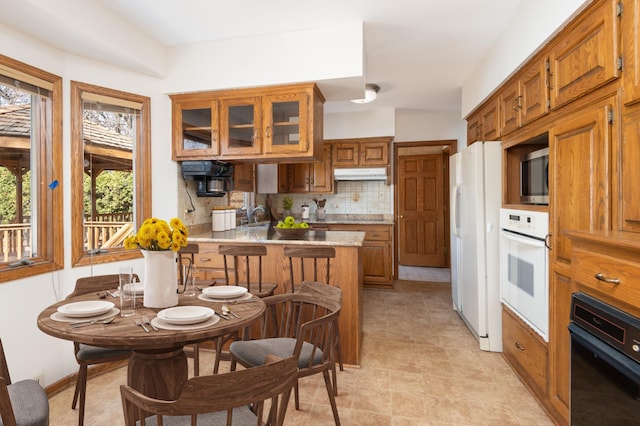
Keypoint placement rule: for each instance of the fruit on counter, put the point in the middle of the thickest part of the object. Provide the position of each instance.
(289, 220)
(291, 224)
(280, 225)
(304, 225)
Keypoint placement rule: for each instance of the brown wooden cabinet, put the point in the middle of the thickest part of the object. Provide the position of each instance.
(243, 177)
(485, 124)
(365, 152)
(275, 123)
(629, 210)
(587, 56)
(195, 129)
(631, 50)
(377, 259)
(525, 97)
(525, 351)
(316, 177)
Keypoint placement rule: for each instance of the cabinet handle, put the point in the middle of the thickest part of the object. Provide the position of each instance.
(205, 259)
(268, 132)
(519, 346)
(600, 276)
(214, 136)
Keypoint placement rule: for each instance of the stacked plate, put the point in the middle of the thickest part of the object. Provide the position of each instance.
(224, 293)
(90, 309)
(185, 317)
(136, 288)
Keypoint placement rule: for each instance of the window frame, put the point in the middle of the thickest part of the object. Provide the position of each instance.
(50, 223)
(142, 173)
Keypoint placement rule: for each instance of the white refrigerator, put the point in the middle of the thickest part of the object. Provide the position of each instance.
(476, 198)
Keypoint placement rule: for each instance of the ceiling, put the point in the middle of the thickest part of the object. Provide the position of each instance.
(419, 52)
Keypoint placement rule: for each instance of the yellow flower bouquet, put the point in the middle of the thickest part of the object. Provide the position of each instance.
(158, 235)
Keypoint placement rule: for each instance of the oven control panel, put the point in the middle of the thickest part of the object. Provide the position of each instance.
(525, 222)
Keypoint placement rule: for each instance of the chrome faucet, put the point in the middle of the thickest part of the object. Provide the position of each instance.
(251, 213)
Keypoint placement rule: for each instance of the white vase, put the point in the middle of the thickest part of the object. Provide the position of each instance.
(160, 279)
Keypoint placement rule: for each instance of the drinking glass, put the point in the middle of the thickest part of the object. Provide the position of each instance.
(189, 274)
(127, 298)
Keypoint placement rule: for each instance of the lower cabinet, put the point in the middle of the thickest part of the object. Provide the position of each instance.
(377, 259)
(526, 352)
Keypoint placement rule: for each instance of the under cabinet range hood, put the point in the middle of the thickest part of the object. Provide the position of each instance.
(360, 173)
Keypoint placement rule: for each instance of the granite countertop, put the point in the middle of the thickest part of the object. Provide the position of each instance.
(265, 234)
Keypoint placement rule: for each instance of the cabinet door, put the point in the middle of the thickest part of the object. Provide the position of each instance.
(510, 107)
(559, 345)
(376, 262)
(473, 128)
(243, 177)
(345, 154)
(587, 56)
(195, 130)
(299, 180)
(534, 100)
(285, 118)
(580, 175)
(374, 154)
(629, 170)
(240, 127)
(491, 121)
(321, 172)
(631, 50)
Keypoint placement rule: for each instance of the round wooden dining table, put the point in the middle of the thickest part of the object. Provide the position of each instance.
(158, 364)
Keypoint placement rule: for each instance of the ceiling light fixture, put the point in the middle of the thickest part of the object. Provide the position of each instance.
(370, 94)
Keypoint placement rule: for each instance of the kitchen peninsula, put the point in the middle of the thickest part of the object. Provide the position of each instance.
(346, 269)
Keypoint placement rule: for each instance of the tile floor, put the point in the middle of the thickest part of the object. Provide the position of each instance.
(420, 366)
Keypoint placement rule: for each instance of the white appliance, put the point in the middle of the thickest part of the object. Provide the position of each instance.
(476, 198)
(524, 281)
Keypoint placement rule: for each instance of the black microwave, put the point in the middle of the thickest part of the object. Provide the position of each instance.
(534, 177)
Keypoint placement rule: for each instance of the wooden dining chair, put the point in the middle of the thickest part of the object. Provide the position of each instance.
(87, 355)
(23, 403)
(230, 398)
(186, 256)
(303, 324)
(315, 258)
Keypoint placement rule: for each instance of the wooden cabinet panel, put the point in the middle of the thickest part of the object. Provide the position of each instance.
(276, 123)
(559, 345)
(367, 152)
(631, 50)
(473, 128)
(580, 150)
(509, 97)
(243, 177)
(587, 56)
(315, 177)
(629, 170)
(195, 129)
(491, 121)
(377, 261)
(525, 351)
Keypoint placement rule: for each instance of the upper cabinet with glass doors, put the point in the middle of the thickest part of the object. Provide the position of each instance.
(278, 123)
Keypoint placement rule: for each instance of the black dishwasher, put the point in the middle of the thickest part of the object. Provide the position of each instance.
(605, 364)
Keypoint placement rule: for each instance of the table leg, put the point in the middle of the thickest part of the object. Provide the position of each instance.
(160, 373)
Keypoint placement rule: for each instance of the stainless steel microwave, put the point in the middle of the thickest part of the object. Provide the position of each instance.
(534, 177)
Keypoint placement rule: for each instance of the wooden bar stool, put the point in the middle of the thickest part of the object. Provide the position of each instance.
(247, 255)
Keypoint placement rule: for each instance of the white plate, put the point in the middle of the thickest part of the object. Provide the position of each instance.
(85, 309)
(224, 291)
(182, 315)
(57, 316)
(137, 288)
(168, 326)
(206, 298)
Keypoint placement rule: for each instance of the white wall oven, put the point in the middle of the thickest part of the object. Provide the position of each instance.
(524, 281)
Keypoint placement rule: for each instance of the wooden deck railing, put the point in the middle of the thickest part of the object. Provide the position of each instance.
(15, 239)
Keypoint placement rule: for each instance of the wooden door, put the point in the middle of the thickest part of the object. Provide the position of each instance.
(631, 50)
(421, 210)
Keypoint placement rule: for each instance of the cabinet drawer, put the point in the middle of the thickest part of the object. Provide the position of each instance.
(585, 265)
(382, 233)
(208, 257)
(525, 351)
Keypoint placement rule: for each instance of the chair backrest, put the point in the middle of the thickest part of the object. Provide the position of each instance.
(314, 255)
(309, 315)
(6, 410)
(243, 256)
(97, 283)
(186, 257)
(223, 392)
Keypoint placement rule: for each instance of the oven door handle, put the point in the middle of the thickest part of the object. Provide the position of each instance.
(533, 242)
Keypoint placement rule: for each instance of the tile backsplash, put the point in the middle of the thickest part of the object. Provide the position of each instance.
(351, 197)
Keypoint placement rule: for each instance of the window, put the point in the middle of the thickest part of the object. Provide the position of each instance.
(111, 171)
(31, 225)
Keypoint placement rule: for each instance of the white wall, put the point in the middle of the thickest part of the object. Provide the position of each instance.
(534, 23)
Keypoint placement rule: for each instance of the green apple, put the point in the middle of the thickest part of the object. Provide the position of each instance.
(289, 220)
